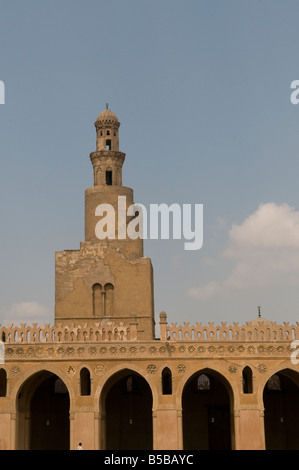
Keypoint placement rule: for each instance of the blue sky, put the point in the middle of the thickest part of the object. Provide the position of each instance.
(202, 91)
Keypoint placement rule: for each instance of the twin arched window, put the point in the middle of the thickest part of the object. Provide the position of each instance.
(103, 299)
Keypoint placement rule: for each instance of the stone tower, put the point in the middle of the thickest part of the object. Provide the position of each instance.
(107, 281)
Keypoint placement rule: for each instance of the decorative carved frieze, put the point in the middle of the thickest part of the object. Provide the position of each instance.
(117, 350)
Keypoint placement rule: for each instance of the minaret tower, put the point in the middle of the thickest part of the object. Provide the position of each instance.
(108, 279)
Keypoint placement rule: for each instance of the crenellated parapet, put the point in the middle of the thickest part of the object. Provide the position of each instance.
(258, 330)
(70, 333)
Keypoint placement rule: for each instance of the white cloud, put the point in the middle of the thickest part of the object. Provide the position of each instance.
(265, 250)
(271, 226)
(26, 312)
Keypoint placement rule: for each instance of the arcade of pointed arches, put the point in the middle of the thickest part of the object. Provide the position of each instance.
(45, 401)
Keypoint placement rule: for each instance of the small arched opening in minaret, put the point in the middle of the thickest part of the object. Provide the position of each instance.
(109, 297)
(108, 144)
(97, 300)
(108, 177)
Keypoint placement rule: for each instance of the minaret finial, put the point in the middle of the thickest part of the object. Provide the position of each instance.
(259, 311)
(107, 105)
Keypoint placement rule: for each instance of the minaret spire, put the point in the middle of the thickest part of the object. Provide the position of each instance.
(107, 160)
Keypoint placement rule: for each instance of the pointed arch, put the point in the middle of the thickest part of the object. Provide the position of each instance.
(247, 381)
(166, 381)
(207, 406)
(43, 410)
(97, 300)
(127, 401)
(281, 416)
(109, 299)
(85, 382)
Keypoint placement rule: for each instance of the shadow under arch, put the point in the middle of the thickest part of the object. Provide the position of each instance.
(281, 410)
(207, 407)
(43, 410)
(126, 402)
